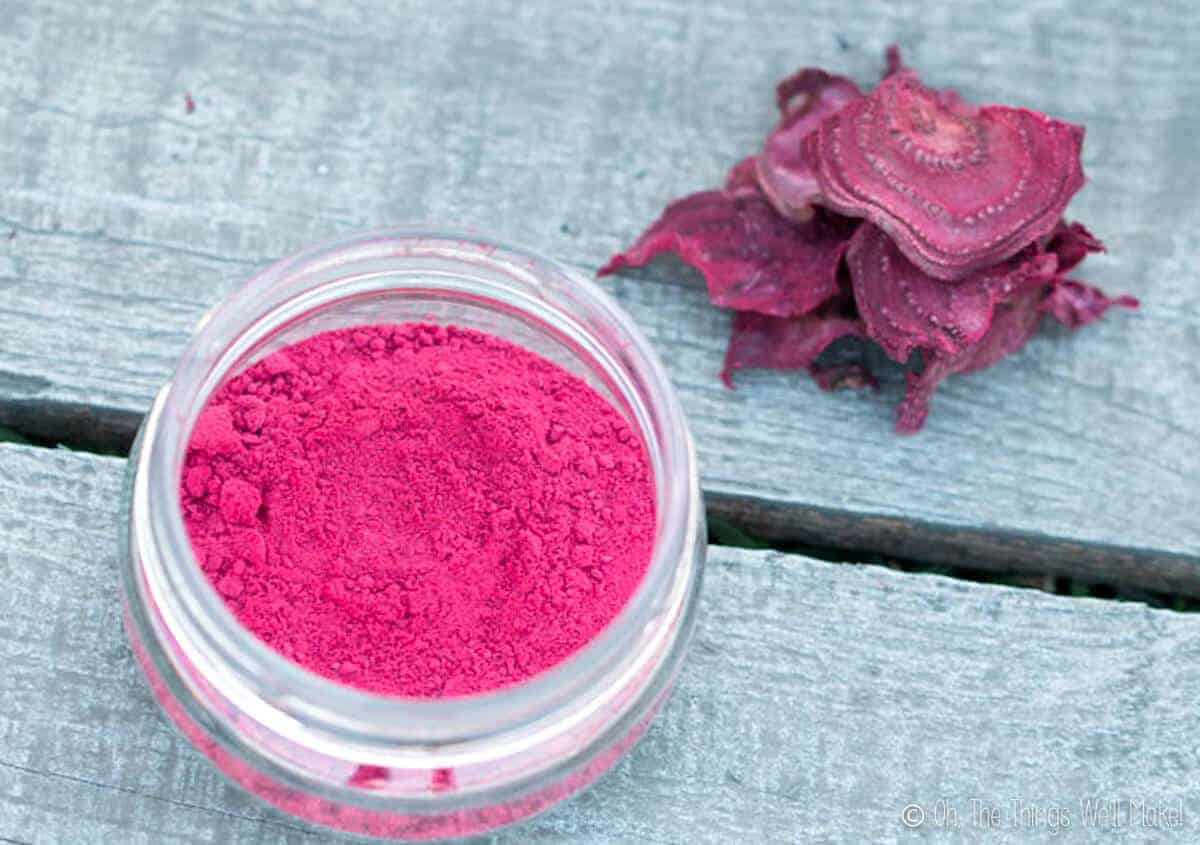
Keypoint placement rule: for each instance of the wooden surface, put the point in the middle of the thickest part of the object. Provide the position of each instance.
(818, 701)
(567, 126)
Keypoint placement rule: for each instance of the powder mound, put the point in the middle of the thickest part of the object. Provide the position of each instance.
(418, 510)
(905, 217)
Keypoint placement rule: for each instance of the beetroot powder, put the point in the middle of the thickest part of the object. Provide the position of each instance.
(418, 510)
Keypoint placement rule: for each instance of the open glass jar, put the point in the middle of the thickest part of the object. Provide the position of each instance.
(381, 765)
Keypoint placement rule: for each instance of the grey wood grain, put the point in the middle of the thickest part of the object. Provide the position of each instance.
(567, 126)
(818, 701)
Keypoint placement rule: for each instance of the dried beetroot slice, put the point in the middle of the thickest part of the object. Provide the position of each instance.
(893, 62)
(1013, 324)
(949, 216)
(957, 187)
(805, 99)
(905, 309)
(810, 91)
(751, 258)
(1076, 304)
(759, 341)
(1072, 243)
(742, 179)
(843, 377)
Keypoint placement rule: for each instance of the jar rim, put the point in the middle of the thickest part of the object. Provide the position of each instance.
(390, 729)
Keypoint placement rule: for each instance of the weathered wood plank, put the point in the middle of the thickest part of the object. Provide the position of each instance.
(818, 701)
(567, 127)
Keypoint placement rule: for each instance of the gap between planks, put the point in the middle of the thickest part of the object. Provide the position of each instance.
(826, 534)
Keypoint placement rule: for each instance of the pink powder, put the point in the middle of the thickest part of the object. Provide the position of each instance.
(418, 510)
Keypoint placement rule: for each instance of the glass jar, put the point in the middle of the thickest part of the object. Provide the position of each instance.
(382, 765)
